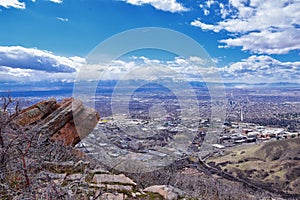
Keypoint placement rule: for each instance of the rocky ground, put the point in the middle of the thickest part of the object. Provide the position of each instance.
(39, 161)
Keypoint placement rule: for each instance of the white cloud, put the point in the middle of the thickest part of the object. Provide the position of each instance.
(259, 69)
(197, 60)
(254, 69)
(165, 5)
(204, 26)
(29, 64)
(56, 1)
(209, 3)
(62, 19)
(12, 4)
(19, 4)
(266, 41)
(206, 12)
(223, 11)
(193, 68)
(270, 26)
(32, 64)
(8, 74)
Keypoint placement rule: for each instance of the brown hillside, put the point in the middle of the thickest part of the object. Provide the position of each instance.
(275, 165)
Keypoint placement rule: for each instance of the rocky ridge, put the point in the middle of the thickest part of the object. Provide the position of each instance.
(62, 171)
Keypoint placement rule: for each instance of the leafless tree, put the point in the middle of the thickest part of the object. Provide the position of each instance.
(22, 154)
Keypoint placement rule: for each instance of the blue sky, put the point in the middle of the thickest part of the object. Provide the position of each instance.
(249, 40)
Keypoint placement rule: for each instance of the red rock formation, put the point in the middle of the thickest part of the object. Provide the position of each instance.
(36, 112)
(68, 121)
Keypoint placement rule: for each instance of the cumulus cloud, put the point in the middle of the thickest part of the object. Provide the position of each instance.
(267, 41)
(28, 65)
(9, 74)
(12, 4)
(193, 68)
(254, 69)
(31, 58)
(265, 27)
(260, 69)
(204, 26)
(165, 5)
(33, 64)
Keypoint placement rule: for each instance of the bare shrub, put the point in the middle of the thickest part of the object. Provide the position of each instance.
(22, 154)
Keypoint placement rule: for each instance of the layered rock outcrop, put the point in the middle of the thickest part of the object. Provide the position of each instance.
(81, 181)
(68, 121)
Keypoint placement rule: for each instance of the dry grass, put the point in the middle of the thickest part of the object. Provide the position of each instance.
(274, 163)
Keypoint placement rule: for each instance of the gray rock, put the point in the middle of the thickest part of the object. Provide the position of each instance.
(113, 187)
(121, 179)
(111, 196)
(75, 177)
(167, 191)
(99, 171)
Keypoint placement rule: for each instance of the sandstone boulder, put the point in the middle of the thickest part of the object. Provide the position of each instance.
(68, 121)
(36, 112)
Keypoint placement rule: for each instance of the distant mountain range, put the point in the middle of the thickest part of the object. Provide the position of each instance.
(251, 85)
(66, 88)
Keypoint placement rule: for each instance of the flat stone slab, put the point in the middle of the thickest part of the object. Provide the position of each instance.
(107, 178)
(99, 171)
